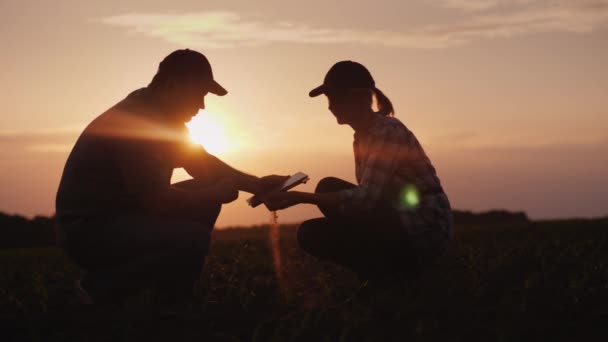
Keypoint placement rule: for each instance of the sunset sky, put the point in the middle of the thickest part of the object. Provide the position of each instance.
(508, 97)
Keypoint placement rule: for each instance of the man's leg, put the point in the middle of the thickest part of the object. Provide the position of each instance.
(208, 212)
(123, 254)
(139, 251)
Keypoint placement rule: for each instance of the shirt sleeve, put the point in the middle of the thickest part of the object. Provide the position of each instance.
(380, 161)
(143, 166)
(197, 162)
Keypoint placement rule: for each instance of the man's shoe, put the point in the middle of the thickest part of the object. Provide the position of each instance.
(83, 295)
(91, 293)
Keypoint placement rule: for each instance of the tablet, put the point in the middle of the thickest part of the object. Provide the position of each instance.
(293, 180)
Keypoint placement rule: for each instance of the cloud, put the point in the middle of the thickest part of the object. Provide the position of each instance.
(18, 143)
(480, 5)
(468, 5)
(485, 19)
(454, 138)
(556, 180)
(49, 148)
(48, 131)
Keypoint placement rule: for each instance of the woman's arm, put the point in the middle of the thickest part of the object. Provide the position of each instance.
(385, 149)
(282, 200)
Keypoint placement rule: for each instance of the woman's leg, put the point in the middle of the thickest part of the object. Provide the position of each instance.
(358, 247)
(372, 245)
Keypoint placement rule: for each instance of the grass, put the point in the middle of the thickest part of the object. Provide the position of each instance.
(539, 280)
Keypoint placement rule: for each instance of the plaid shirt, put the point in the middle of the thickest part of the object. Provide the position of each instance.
(393, 169)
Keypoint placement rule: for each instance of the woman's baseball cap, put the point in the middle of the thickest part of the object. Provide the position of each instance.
(190, 63)
(342, 76)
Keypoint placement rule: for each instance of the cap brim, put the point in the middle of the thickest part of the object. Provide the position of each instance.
(217, 89)
(317, 91)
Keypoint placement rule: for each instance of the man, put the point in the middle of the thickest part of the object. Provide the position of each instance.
(124, 223)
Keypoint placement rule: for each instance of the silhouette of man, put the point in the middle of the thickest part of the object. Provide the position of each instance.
(124, 223)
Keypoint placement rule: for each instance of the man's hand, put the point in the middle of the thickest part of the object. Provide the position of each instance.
(269, 183)
(281, 200)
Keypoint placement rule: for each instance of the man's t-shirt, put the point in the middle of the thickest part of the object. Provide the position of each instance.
(122, 156)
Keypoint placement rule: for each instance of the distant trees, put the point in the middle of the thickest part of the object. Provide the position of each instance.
(18, 231)
(489, 217)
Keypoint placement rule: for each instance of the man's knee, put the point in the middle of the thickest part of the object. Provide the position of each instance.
(213, 211)
(205, 215)
(208, 215)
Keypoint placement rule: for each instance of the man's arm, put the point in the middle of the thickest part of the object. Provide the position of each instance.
(144, 176)
(174, 200)
(214, 168)
(282, 200)
(200, 164)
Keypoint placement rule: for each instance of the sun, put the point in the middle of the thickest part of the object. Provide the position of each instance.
(205, 130)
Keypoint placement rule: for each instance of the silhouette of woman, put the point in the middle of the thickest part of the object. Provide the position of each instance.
(397, 218)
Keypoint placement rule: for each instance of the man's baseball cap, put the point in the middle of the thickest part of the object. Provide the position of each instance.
(191, 63)
(343, 76)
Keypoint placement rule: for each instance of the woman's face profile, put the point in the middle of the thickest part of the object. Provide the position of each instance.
(340, 106)
(347, 106)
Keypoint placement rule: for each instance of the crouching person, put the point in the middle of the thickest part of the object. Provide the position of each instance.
(397, 218)
(124, 222)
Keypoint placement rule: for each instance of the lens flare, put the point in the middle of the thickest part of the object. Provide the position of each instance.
(208, 132)
(409, 198)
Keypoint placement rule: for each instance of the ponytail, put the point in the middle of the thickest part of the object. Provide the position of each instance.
(385, 106)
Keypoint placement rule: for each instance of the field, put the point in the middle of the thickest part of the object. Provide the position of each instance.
(504, 282)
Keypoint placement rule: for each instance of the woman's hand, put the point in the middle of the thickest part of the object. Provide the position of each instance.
(281, 200)
(270, 182)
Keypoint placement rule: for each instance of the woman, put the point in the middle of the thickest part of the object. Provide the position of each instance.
(398, 218)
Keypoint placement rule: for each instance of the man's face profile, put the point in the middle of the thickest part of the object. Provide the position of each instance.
(187, 97)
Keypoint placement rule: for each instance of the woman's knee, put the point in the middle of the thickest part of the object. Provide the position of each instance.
(329, 184)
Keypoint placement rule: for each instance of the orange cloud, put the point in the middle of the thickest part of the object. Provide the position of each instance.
(224, 29)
